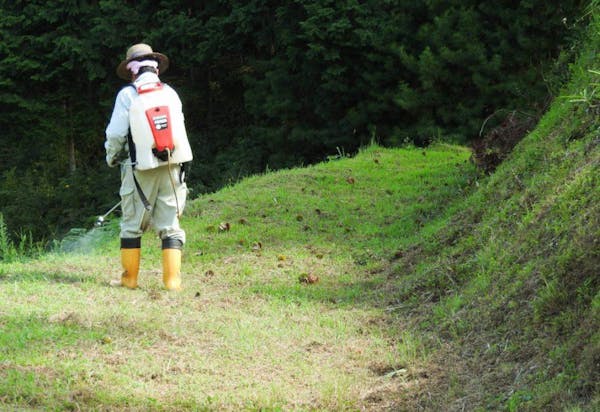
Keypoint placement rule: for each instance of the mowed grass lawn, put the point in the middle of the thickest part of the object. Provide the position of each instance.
(285, 305)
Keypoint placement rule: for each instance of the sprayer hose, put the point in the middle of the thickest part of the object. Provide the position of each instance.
(173, 183)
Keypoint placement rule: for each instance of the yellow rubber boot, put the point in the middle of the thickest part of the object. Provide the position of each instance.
(130, 259)
(172, 268)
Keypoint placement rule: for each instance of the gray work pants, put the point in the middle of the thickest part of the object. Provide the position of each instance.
(158, 189)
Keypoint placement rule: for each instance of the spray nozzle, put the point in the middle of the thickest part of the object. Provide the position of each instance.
(100, 220)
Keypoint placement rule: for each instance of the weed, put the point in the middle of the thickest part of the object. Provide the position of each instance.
(24, 248)
(589, 96)
(7, 249)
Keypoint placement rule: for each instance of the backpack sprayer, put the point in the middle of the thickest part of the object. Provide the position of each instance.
(100, 219)
(155, 131)
(157, 127)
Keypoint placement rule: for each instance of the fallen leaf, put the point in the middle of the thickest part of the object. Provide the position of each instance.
(351, 180)
(243, 221)
(281, 257)
(308, 278)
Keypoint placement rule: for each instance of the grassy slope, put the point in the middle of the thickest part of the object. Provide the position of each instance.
(510, 285)
(245, 333)
(434, 292)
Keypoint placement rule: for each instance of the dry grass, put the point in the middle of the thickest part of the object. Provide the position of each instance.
(214, 344)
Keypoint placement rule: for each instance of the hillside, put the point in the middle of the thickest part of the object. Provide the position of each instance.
(399, 279)
(507, 289)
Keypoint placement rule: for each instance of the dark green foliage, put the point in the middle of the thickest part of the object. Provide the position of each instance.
(264, 83)
(478, 58)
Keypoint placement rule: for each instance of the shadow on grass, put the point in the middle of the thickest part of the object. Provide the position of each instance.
(42, 276)
(42, 367)
(30, 375)
(363, 292)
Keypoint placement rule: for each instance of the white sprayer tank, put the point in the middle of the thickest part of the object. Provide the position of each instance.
(141, 131)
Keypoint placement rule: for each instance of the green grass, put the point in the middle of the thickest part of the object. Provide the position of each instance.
(437, 289)
(245, 333)
(509, 285)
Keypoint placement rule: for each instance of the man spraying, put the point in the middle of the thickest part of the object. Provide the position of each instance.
(146, 137)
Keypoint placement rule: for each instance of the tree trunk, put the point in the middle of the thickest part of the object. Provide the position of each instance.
(70, 137)
(72, 164)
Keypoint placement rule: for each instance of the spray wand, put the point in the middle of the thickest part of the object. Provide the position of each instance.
(100, 220)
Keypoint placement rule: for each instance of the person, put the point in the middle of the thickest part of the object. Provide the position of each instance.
(153, 189)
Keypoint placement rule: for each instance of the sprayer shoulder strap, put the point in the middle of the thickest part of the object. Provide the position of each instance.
(143, 197)
(130, 144)
(133, 158)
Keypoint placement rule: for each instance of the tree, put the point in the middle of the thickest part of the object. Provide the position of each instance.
(263, 82)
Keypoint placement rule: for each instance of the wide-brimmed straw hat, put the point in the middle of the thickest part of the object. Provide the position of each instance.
(141, 51)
